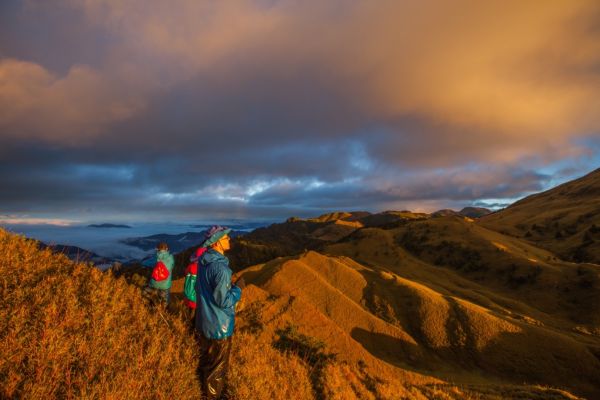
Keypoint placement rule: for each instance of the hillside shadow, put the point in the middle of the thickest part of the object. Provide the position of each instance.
(390, 307)
(262, 275)
(253, 277)
(520, 358)
(389, 349)
(461, 335)
(533, 358)
(534, 355)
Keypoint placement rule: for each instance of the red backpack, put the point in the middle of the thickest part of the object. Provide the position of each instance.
(160, 272)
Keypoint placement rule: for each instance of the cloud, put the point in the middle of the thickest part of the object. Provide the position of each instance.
(291, 105)
(488, 82)
(25, 220)
(37, 104)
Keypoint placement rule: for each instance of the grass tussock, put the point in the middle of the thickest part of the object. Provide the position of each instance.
(262, 372)
(70, 331)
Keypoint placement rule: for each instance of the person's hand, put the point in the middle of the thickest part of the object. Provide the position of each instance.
(241, 283)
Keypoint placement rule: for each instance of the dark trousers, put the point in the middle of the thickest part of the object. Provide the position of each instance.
(163, 295)
(190, 315)
(213, 365)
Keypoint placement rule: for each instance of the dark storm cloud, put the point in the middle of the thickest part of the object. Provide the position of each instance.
(270, 109)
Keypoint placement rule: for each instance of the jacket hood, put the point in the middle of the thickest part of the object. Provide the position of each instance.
(162, 254)
(211, 256)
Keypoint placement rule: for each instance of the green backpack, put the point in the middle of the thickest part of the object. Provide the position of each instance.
(189, 287)
(189, 284)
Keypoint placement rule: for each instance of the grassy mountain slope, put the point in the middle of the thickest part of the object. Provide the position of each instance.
(341, 216)
(565, 219)
(70, 331)
(549, 301)
(474, 212)
(507, 265)
(312, 326)
(395, 335)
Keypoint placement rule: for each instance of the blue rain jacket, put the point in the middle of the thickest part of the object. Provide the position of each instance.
(215, 296)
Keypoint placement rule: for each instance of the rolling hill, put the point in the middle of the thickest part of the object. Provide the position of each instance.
(565, 219)
(397, 334)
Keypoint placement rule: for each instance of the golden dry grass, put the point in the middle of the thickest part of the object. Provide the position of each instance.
(496, 270)
(259, 371)
(339, 216)
(409, 334)
(69, 331)
(335, 231)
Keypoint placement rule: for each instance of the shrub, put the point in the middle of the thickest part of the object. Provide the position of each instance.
(411, 242)
(519, 275)
(581, 253)
(587, 277)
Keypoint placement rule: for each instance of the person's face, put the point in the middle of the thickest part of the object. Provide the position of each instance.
(224, 243)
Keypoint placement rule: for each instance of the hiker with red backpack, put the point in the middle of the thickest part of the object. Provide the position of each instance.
(216, 298)
(162, 273)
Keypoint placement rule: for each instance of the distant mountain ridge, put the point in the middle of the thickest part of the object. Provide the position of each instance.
(77, 254)
(474, 212)
(470, 212)
(109, 226)
(176, 243)
(296, 235)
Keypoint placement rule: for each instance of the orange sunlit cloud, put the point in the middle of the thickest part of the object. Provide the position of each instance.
(510, 72)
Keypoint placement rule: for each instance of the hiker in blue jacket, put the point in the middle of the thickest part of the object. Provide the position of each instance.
(216, 298)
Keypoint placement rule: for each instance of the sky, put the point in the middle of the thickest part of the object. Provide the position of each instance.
(146, 110)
